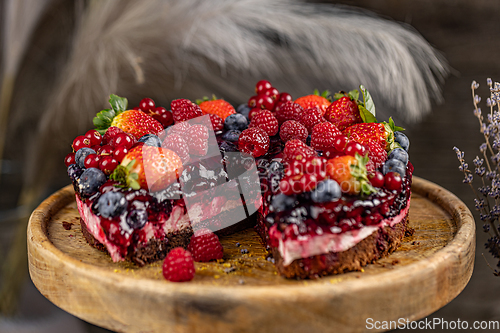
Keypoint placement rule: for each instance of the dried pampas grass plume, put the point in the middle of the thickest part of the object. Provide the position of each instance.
(171, 49)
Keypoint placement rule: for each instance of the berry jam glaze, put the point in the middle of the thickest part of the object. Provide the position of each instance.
(309, 228)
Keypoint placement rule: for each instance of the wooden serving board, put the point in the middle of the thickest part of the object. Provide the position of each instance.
(242, 292)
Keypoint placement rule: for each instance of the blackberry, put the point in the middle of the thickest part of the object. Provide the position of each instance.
(74, 172)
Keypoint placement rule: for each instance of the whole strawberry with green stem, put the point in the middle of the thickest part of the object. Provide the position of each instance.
(134, 122)
(147, 167)
(344, 111)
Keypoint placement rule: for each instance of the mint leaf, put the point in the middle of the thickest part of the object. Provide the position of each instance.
(354, 94)
(338, 95)
(367, 100)
(119, 104)
(394, 127)
(103, 119)
(366, 115)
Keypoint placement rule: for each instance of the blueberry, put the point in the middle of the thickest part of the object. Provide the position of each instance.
(394, 166)
(326, 191)
(111, 204)
(74, 172)
(81, 154)
(402, 139)
(243, 109)
(236, 121)
(136, 219)
(231, 135)
(150, 140)
(399, 154)
(282, 202)
(90, 181)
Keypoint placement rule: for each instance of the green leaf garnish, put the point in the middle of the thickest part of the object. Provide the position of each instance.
(367, 100)
(353, 94)
(119, 104)
(366, 115)
(359, 172)
(394, 127)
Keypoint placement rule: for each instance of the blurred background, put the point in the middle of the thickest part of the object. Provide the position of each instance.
(464, 32)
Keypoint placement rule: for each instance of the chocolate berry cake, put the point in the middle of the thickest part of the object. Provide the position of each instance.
(325, 184)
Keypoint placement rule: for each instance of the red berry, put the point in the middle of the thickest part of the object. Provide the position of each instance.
(284, 97)
(264, 102)
(105, 150)
(184, 109)
(146, 105)
(91, 161)
(289, 111)
(323, 135)
(205, 246)
(254, 141)
(164, 116)
(69, 159)
(123, 139)
(265, 120)
(272, 92)
(393, 181)
(178, 266)
(176, 143)
(111, 132)
(310, 118)
(376, 153)
(354, 147)
(94, 136)
(252, 101)
(340, 142)
(136, 108)
(330, 153)
(262, 85)
(217, 122)
(197, 140)
(253, 112)
(81, 142)
(292, 129)
(296, 150)
(120, 152)
(108, 164)
(376, 179)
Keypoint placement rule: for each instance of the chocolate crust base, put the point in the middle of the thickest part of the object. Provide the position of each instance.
(152, 251)
(379, 244)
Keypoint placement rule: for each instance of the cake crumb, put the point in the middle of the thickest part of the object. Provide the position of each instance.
(362, 270)
(395, 262)
(244, 251)
(229, 270)
(116, 270)
(238, 244)
(226, 264)
(67, 225)
(241, 281)
(216, 276)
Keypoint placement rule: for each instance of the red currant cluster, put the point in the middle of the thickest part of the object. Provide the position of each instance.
(148, 106)
(267, 97)
(110, 149)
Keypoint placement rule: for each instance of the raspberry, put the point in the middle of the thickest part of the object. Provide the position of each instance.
(289, 111)
(323, 135)
(217, 122)
(184, 109)
(292, 129)
(205, 246)
(265, 120)
(111, 132)
(254, 141)
(296, 149)
(178, 265)
(176, 143)
(310, 118)
(376, 153)
(197, 140)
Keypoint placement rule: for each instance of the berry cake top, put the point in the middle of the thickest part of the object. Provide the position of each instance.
(318, 150)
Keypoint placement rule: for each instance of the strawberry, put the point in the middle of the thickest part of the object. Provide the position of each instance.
(147, 167)
(323, 136)
(315, 100)
(380, 133)
(184, 109)
(216, 106)
(134, 122)
(350, 173)
(343, 112)
(376, 153)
